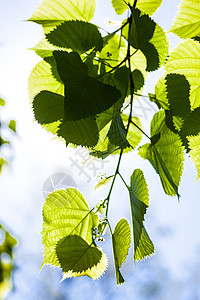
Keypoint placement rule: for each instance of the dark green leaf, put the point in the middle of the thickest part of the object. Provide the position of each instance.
(152, 57)
(48, 107)
(117, 133)
(191, 126)
(178, 92)
(76, 255)
(138, 80)
(82, 132)
(84, 96)
(142, 29)
(138, 203)
(78, 35)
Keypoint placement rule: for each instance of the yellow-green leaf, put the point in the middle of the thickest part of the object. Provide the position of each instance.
(187, 22)
(194, 145)
(121, 239)
(185, 60)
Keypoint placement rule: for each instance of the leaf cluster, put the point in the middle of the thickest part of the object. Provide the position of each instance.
(81, 92)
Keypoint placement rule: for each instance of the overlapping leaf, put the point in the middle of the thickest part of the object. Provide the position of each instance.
(191, 126)
(117, 133)
(77, 35)
(48, 107)
(187, 22)
(166, 156)
(41, 78)
(78, 258)
(139, 198)
(65, 212)
(84, 96)
(185, 60)
(149, 37)
(194, 145)
(83, 132)
(149, 7)
(51, 13)
(121, 239)
(104, 148)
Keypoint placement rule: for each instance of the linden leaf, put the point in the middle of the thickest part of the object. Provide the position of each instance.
(78, 258)
(194, 145)
(78, 35)
(84, 96)
(187, 22)
(139, 198)
(65, 212)
(51, 13)
(121, 239)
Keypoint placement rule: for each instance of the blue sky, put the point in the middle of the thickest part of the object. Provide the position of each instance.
(171, 225)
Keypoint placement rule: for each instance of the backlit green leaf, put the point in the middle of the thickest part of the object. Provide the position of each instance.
(85, 96)
(2, 102)
(78, 258)
(187, 22)
(121, 239)
(149, 7)
(185, 60)
(82, 132)
(139, 198)
(12, 125)
(41, 78)
(166, 156)
(51, 13)
(65, 212)
(103, 181)
(117, 133)
(78, 35)
(194, 145)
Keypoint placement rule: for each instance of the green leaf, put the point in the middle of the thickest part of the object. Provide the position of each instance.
(194, 145)
(82, 132)
(187, 22)
(78, 35)
(149, 7)
(85, 96)
(41, 78)
(142, 29)
(44, 48)
(145, 248)
(138, 80)
(161, 94)
(48, 107)
(103, 181)
(51, 13)
(121, 239)
(166, 156)
(141, 33)
(191, 126)
(12, 125)
(2, 102)
(2, 163)
(161, 44)
(65, 212)
(184, 60)
(139, 199)
(117, 133)
(78, 258)
(178, 91)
